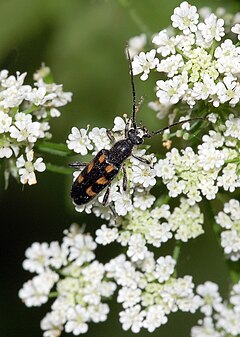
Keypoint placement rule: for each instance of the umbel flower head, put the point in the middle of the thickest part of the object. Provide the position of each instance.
(197, 58)
(80, 285)
(25, 112)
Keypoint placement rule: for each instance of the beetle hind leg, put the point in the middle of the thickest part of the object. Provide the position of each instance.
(125, 180)
(106, 196)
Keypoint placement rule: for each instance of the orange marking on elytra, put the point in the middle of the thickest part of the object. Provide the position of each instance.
(90, 166)
(102, 181)
(102, 158)
(109, 168)
(90, 192)
(80, 178)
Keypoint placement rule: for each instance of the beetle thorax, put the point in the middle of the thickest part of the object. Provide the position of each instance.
(136, 136)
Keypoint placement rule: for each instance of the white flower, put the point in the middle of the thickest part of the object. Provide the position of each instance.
(143, 175)
(207, 329)
(58, 255)
(136, 44)
(81, 249)
(37, 257)
(132, 318)
(161, 110)
(164, 268)
(129, 297)
(99, 138)
(236, 29)
(210, 297)
(7, 148)
(24, 129)
(143, 200)
(119, 124)
(185, 18)
(52, 323)
(171, 91)
(77, 318)
(144, 63)
(229, 90)
(38, 96)
(165, 43)
(122, 202)
(212, 28)
(137, 249)
(232, 127)
(78, 141)
(210, 158)
(203, 89)
(35, 292)
(5, 122)
(27, 167)
(171, 65)
(106, 235)
(98, 313)
(155, 317)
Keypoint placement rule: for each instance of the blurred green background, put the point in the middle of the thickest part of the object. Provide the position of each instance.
(83, 42)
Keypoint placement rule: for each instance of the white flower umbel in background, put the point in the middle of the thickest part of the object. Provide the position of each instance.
(229, 220)
(199, 57)
(25, 112)
(222, 318)
(69, 274)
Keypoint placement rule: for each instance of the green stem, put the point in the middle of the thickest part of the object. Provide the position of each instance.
(58, 169)
(135, 17)
(55, 149)
(28, 111)
(235, 160)
(53, 294)
(176, 251)
(176, 254)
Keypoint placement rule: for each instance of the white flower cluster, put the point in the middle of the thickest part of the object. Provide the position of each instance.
(198, 63)
(229, 220)
(140, 176)
(70, 274)
(214, 165)
(222, 318)
(153, 227)
(24, 119)
(149, 292)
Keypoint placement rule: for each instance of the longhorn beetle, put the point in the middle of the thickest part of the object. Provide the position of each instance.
(104, 167)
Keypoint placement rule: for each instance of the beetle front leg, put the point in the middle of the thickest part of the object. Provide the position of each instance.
(77, 165)
(143, 160)
(111, 136)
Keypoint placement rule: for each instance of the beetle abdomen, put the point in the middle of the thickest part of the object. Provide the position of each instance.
(94, 178)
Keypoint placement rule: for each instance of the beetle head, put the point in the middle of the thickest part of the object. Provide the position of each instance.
(137, 135)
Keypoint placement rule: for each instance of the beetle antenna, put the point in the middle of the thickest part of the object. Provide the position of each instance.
(133, 90)
(174, 124)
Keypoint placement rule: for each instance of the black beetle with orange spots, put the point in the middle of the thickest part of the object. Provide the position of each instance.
(98, 174)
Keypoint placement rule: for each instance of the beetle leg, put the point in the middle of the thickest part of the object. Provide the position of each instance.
(112, 210)
(77, 165)
(106, 195)
(111, 136)
(143, 160)
(124, 178)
